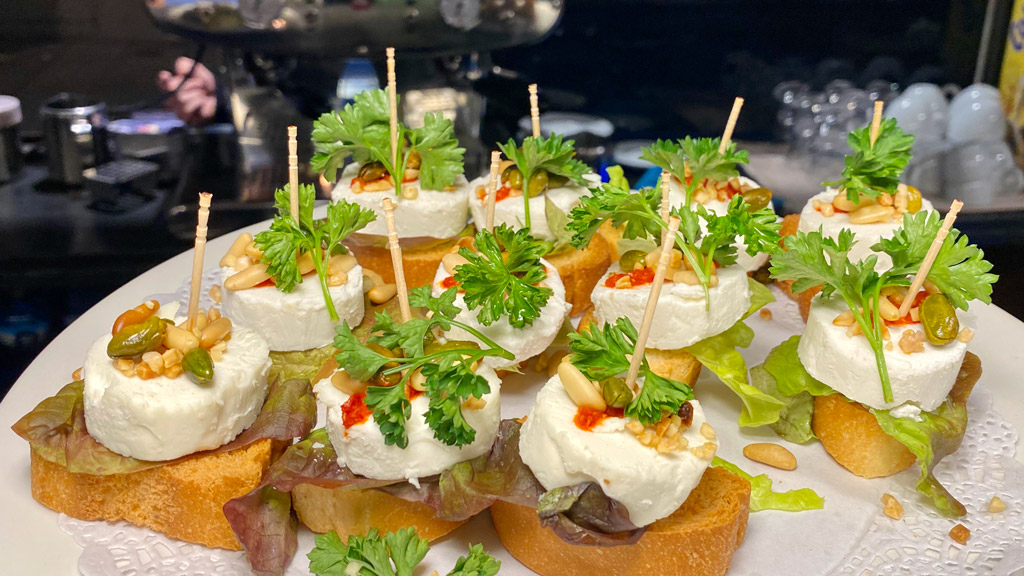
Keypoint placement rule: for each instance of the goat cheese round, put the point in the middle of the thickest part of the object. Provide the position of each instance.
(297, 320)
(432, 214)
(865, 235)
(682, 318)
(362, 446)
(511, 211)
(164, 418)
(524, 342)
(650, 484)
(847, 363)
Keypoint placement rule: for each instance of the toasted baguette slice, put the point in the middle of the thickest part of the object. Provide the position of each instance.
(355, 512)
(698, 539)
(852, 437)
(790, 224)
(419, 259)
(580, 270)
(678, 365)
(184, 500)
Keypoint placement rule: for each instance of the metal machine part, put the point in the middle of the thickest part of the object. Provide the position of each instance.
(10, 146)
(74, 127)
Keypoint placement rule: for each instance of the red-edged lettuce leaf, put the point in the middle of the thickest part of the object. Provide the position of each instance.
(304, 364)
(264, 518)
(584, 515)
(56, 430)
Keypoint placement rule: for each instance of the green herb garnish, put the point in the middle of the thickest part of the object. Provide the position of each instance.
(287, 239)
(395, 554)
(552, 154)
(362, 130)
(700, 155)
(872, 170)
(504, 284)
(450, 379)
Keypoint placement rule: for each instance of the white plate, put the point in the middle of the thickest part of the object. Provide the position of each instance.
(32, 542)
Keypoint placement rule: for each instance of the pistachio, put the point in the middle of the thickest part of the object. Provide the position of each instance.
(134, 340)
(198, 364)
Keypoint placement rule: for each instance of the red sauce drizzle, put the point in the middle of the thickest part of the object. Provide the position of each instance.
(354, 411)
(412, 393)
(636, 278)
(907, 319)
(503, 193)
(449, 282)
(587, 419)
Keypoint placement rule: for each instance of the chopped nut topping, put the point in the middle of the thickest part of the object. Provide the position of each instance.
(665, 436)
(707, 431)
(965, 335)
(912, 341)
(960, 534)
(705, 451)
(996, 505)
(765, 314)
(891, 507)
(844, 319)
(473, 403)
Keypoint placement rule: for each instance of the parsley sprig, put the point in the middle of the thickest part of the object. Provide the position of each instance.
(811, 259)
(552, 154)
(700, 156)
(287, 239)
(361, 130)
(450, 380)
(395, 554)
(604, 352)
(872, 170)
(501, 276)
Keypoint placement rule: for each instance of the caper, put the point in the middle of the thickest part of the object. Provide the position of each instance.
(198, 364)
(939, 319)
(538, 182)
(513, 177)
(381, 378)
(757, 199)
(372, 171)
(616, 393)
(414, 160)
(556, 181)
(134, 340)
(435, 347)
(629, 259)
(913, 200)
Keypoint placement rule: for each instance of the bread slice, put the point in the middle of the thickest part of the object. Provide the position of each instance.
(581, 270)
(852, 437)
(698, 539)
(183, 500)
(355, 512)
(790, 224)
(420, 257)
(678, 365)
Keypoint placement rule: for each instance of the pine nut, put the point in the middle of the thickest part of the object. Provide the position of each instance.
(201, 322)
(342, 381)
(253, 252)
(623, 283)
(885, 199)
(215, 293)
(381, 294)
(180, 339)
(579, 388)
(452, 260)
(215, 332)
(341, 263)
(213, 314)
(713, 280)
(887, 310)
(371, 279)
(337, 279)
(827, 210)
(651, 260)
(686, 277)
(251, 276)
(841, 202)
(236, 250)
(891, 507)
(930, 287)
(770, 454)
(996, 505)
(76, 375)
(410, 192)
(557, 357)
(217, 351)
(872, 214)
(242, 263)
(305, 263)
(417, 381)
(474, 403)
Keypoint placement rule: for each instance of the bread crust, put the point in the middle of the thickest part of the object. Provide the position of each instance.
(581, 270)
(852, 437)
(355, 512)
(419, 262)
(698, 539)
(183, 500)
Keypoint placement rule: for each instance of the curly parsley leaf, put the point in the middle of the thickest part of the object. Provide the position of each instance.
(657, 396)
(759, 230)
(391, 410)
(440, 154)
(637, 213)
(696, 159)
(668, 156)
(872, 170)
(553, 154)
(358, 360)
(477, 563)
(396, 554)
(442, 305)
(501, 276)
(447, 388)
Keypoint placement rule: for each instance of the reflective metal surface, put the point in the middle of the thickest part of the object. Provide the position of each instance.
(333, 28)
(74, 128)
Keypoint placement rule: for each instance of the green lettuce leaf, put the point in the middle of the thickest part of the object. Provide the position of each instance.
(617, 177)
(762, 497)
(760, 296)
(299, 365)
(937, 435)
(558, 223)
(784, 377)
(783, 363)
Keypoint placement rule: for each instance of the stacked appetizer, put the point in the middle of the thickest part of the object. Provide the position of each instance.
(431, 200)
(881, 374)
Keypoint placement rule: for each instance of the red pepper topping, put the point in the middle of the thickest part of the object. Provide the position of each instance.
(449, 282)
(412, 393)
(907, 319)
(638, 277)
(354, 411)
(503, 193)
(587, 419)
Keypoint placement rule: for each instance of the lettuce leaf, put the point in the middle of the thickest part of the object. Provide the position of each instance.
(936, 436)
(617, 177)
(760, 296)
(762, 497)
(56, 431)
(303, 364)
(784, 377)
(582, 514)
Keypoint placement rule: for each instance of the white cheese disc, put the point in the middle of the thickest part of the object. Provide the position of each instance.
(511, 211)
(847, 364)
(682, 317)
(297, 320)
(525, 342)
(362, 446)
(432, 214)
(865, 235)
(164, 418)
(650, 484)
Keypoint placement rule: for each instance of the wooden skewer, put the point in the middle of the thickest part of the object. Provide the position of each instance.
(534, 111)
(396, 259)
(492, 189)
(876, 122)
(652, 304)
(929, 259)
(197, 257)
(293, 171)
(393, 110)
(737, 105)
(665, 176)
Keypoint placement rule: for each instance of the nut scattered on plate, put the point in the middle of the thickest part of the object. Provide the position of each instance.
(960, 534)
(891, 507)
(996, 505)
(771, 454)
(765, 314)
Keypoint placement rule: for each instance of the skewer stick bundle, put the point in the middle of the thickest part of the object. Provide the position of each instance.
(396, 259)
(929, 259)
(652, 304)
(197, 257)
(393, 109)
(734, 115)
(665, 176)
(534, 111)
(876, 122)
(492, 189)
(293, 171)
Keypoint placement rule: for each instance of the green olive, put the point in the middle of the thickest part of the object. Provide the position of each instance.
(134, 340)
(414, 160)
(435, 347)
(629, 259)
(198, 364)
(538, 182)
(381, 378)
(513, 177)
(757, 199)
(556, 181)
(616, 393)
(913, 200)
(372, 171)
(939, 319)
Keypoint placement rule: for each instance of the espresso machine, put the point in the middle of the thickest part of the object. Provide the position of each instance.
(285, 62)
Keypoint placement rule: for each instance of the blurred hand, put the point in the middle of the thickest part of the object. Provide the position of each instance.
(196, 101)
